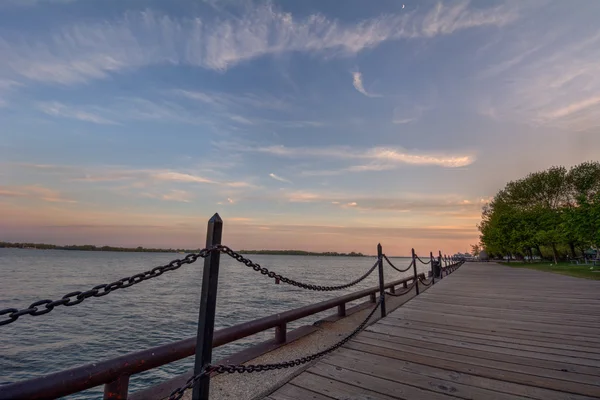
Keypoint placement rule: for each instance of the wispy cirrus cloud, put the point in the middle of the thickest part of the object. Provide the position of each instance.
(34, 192)
(123, 110)
(378, 158)
(227, 101)
(177, 195)
(138, 176)
(358, 85)
(83, 52)
(549, 79)
(57, 109)
(279, 178)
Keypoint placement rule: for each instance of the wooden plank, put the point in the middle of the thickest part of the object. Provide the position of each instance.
(459, 324)
(513, 315)
(535, 386)
(427, 315)
(485, 332)
(375, 384)
(480, 358)
(336, 389)
(440, 381)
(506, 336)
(485, 347)
(492, 341)
(565, 314)
(293, 392)
(454, 375)
(583, 373)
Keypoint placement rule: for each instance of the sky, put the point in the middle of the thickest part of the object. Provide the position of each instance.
(316, 125)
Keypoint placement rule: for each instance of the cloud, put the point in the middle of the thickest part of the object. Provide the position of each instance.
(573, 108)
(125, 109)
(173, 195)
(82, 52)
(545, 78)
(56, 109)
(141, 177)
(379, 158)
(34, 192)
(180, 177)
(420, 203)
(358, 85)
(279, 178)
(227, 101)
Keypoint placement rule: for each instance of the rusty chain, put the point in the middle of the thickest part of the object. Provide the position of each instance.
(42, 307)
(265, 271)
(241, 368)
(396, 268)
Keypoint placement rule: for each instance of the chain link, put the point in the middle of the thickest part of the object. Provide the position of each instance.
(230, 369)
(424, 283)
(408, 289)
(42, 307)
(265, 271)
(422, 262)
(396, 268)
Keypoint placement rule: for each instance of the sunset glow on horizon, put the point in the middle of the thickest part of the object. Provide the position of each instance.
(312, 125)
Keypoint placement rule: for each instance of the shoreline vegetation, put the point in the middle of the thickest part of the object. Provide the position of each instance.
(552, 214)
(140, 249)
(563, 268)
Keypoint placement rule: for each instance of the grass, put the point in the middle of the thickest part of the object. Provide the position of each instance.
(563, 268)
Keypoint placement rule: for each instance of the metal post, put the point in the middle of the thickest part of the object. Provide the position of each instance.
(414, 263)
(281, 333)
(432, 270)
(208, 304)
(117, 389)
(440, 261)
(381, 282)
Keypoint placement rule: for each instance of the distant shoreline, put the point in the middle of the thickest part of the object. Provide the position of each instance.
(88, 247)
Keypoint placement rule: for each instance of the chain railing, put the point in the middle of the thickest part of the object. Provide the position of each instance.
(279, 278)
(74, 298)
(241, 368)
(394, 267)
(116, 376)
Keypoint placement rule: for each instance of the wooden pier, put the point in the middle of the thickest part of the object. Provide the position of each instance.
(486, 332)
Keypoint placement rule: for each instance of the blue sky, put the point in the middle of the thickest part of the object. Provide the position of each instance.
(319, 125)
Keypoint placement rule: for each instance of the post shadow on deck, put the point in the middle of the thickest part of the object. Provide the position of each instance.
(208, 304)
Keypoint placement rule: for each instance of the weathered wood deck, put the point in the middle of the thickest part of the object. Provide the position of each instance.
(485, 332)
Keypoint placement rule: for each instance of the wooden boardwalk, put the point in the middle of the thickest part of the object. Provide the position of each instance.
(485, 332)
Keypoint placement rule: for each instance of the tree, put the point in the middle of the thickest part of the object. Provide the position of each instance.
(475, 250)
(554, 209)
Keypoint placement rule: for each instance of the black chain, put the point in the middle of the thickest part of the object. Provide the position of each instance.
(423, 282)
(396, 268)
(42, 307)
(422, 262)
(230, 369)
(258, 268)
(408, 289)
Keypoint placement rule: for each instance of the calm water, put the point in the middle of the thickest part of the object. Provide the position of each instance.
(155, 312)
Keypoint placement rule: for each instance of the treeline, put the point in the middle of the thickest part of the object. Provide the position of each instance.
(89, 247)
(301, 253)
(551, 214)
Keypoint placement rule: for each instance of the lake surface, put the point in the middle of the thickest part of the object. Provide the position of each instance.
(154, 312)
